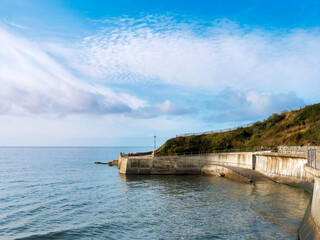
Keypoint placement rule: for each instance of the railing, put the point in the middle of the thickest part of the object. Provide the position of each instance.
(313, 159)
(215, 131)
(299, 152)
(198, 153)
(248, 176)
(290, 151)
(136, 154)
(233, 128)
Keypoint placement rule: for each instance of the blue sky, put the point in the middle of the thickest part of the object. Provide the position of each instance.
(116, 73)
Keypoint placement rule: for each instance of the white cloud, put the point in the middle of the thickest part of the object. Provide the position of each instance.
(34, 82)
(234, 105)
(218, 55)
(167, 107)
(163, 108)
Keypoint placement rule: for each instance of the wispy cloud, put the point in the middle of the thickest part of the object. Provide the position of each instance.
(194, 54)
(16, 25)
(33, 82)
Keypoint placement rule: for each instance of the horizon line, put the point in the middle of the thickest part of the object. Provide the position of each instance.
(53, 146)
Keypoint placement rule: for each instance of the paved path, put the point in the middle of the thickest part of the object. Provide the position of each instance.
(250, 174)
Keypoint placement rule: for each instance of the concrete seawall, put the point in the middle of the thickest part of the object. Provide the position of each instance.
(183, 164)
(311, 225)
(283, 167)
(277, 166)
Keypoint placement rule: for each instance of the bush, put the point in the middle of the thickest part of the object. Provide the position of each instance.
(311, 113)
(243, 134)
(273, 119)
(258, 126)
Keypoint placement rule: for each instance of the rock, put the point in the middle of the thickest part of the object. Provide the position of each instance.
(100, 163)
(113, 163)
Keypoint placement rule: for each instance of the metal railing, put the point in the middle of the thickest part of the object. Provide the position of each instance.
(231, 150)
(215, 131)
(290, 151)
(299, 152)
(233, 128)
(248, 176)
(313, 159)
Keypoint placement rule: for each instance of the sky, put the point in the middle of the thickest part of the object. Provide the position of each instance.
(116, 73)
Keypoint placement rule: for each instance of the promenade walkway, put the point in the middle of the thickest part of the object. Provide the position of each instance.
(252, 175)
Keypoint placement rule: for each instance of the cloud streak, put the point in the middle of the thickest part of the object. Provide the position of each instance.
(210, 55)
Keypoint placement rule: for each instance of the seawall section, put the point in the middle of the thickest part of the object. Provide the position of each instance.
(279, 166)
(283, 167)
(313, 216)
(182, 164)
(237, 159)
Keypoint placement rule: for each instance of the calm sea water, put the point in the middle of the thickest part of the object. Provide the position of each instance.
(59, 193)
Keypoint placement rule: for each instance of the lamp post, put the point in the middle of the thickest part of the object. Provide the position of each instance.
(154, 145)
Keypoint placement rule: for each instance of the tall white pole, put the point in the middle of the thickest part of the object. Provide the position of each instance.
(154, 145)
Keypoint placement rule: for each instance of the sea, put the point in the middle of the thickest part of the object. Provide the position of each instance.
(59, 193)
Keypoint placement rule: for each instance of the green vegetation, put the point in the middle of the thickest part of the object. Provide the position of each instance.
(299, 127)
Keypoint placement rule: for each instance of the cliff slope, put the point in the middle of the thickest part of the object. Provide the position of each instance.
(300, 127)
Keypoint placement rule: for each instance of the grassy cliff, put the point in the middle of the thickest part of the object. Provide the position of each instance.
(299, 127)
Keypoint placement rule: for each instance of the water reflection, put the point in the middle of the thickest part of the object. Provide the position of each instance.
(217, 205)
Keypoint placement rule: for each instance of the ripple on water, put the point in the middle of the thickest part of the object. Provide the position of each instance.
(58, 193)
